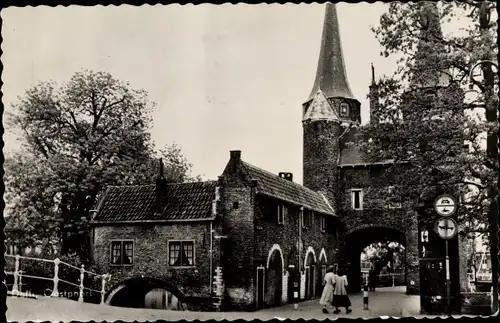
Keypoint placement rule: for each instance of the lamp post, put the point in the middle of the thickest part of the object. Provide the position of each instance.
(492, 151)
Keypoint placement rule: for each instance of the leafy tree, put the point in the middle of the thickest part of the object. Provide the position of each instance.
(422, 116)
(381, 254)
(77, 138)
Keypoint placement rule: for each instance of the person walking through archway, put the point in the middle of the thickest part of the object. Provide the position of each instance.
(328, 288)
(340, 298)
(372, 280)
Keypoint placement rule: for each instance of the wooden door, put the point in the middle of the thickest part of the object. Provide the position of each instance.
(312, 282)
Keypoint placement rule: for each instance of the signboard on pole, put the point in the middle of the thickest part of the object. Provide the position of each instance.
(446, 228)
(445, 205)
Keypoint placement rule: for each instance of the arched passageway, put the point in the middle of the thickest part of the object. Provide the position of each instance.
(274, 278)
(322, 266)
(311, 275)
(359, 239)
(145, 293)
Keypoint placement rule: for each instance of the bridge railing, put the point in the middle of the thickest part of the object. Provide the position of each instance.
(55, 272)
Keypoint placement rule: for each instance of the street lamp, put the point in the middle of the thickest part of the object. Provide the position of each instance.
(492, 151)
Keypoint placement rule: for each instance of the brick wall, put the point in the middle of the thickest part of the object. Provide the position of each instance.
(238, 247)
(320, 154)
(151, 255)
(269, 233)
(374, 181)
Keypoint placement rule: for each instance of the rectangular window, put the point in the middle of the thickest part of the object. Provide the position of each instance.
(307, 220)
(344, 109)
(181, 253)
(322, 223)
(394, 199)
(281, 214)
(122, 252)
(357, 199)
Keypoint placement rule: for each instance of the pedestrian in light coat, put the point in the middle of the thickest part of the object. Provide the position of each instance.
(328, 288)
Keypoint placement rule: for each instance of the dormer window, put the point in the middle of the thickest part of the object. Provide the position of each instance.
(344, 109)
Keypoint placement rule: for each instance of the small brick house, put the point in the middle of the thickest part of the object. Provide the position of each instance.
(269, 236)
(160, 233)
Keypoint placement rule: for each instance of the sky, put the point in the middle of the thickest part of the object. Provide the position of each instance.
(225, 77)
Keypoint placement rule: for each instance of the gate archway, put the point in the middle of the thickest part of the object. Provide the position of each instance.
(274, 278)
(311, 273)
(145, 292)
(360, 238)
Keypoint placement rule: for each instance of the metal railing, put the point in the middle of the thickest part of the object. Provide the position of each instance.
(54, 292)
(381, 278)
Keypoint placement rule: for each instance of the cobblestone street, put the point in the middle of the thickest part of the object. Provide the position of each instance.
(383, 302)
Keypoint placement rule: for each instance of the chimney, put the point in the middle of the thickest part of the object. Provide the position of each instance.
(235, 155)
(287, 176)
(161, 189)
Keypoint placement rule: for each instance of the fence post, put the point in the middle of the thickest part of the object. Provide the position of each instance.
(82, 275)
(16, 274)
(103, 287)
(392, 279)
(55, 291)
(492, 300)
(20, 281)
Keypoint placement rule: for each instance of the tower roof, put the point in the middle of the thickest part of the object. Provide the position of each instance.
(331, 76)
(428, 69)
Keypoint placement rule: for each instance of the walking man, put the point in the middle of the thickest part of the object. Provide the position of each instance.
(371, 280)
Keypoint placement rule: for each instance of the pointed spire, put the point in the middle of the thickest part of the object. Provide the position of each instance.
(427, 70)
(331, 75)
(161, 168)
(373, 74)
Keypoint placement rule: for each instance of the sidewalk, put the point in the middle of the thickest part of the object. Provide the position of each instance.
(383, 302)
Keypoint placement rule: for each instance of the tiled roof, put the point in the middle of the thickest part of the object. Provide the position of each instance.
(184, 201)
(351, 155)
(272, 185)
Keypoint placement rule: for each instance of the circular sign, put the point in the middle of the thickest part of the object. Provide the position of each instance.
(446, 228)
(445, 205)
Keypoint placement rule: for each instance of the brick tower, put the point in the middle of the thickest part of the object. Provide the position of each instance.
(329, 113)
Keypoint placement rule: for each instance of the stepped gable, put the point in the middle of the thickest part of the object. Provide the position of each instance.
(183, 201)
(274, 186)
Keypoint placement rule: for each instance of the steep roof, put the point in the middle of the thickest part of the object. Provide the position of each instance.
(274, 186)
(351, 155)
(428, 69)
(331, 76)
(320, 109)
(183, 201)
